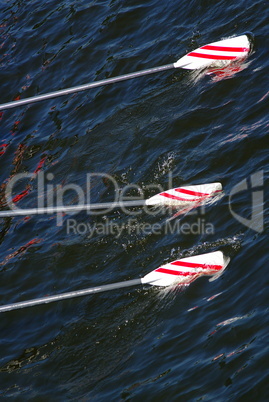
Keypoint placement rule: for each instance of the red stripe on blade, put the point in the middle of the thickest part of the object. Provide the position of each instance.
(191, 192)
(196, 265)
(172, 272)
(175, 197)
(225, 48)
(211, 56)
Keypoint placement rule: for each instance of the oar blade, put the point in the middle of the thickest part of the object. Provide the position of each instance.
(216, 54)
(187, 195)
(186, 270)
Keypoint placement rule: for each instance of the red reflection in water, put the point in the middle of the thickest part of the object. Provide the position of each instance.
(3, 148)
(40, 164)
(17, 161)
(20, 250)
(229, 71)
(18, 197)
(7, 44)
(15, 127)
(28, 188)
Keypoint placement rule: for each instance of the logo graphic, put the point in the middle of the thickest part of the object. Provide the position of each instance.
(256, 222)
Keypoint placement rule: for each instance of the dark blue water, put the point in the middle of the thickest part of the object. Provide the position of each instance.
(206, 343)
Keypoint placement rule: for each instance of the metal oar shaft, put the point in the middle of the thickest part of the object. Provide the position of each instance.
(71, 208)
(79, 88)
(70, 295)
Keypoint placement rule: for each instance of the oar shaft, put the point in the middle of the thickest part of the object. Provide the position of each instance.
(80, 88)
(70, 295)
(71, 208)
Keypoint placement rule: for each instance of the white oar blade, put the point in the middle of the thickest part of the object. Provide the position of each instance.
(216, 54)
(189, 195)
(188, 269)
